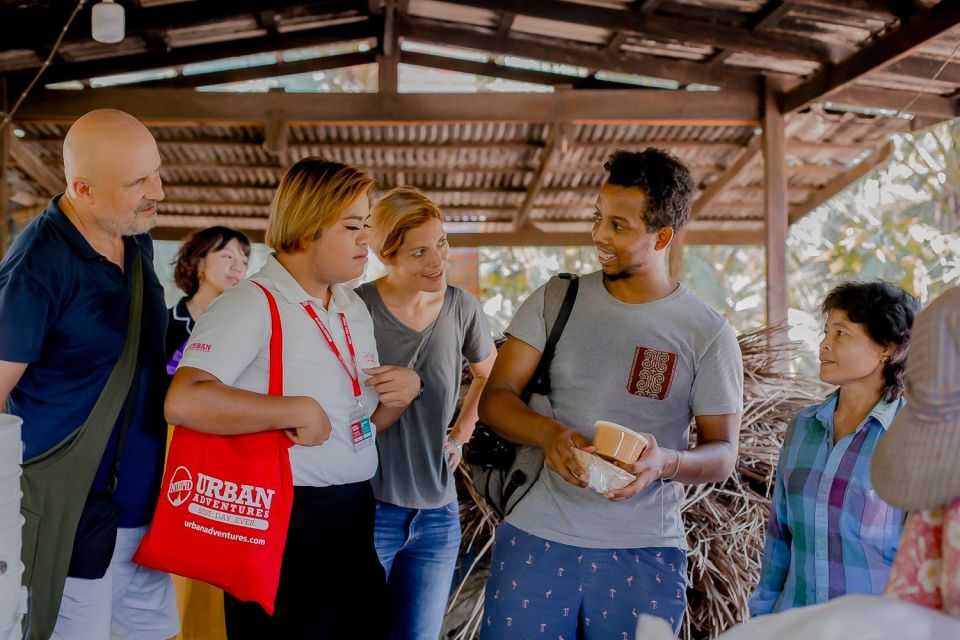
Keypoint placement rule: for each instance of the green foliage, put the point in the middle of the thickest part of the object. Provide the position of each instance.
(730, 279)
(900, 223)
(509, 274)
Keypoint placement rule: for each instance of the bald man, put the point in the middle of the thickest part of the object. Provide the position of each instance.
(66, 289)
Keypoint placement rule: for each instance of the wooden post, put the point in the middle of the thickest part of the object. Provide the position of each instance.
(5, 218)
(388, 55)
(775, 200)
(676, 256)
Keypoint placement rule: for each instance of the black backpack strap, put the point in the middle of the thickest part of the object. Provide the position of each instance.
(540, 382)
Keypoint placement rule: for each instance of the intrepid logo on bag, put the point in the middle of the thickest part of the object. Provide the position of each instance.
(221, 500)
(181, 486)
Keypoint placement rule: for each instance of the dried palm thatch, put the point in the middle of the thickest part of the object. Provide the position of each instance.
(725, 522)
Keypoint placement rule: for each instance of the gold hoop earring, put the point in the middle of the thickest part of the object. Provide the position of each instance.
(200, 277)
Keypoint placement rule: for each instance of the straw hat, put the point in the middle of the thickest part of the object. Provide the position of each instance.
(917, 463)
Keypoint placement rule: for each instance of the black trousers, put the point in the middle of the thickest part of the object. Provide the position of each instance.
(332, 585)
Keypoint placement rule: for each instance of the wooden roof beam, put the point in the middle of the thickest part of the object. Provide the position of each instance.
(669, 28)
(266, 71)
(888, 10)
(710, 193)
(796, 146)
(177, 227)
(168, 106)
(770, 15)
(926, 68)
(841, 182)
(554, 141)
(200, 53)
(44, 30)
(913, 32)
(506, 23)
(494, 70)
(927, 105)
(683, 72)
(48, 179)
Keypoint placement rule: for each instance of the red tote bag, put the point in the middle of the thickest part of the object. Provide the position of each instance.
(225, 501)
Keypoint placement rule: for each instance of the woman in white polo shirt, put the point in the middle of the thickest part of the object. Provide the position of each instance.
(319, 225)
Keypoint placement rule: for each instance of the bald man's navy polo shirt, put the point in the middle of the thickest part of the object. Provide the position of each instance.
(63, 310)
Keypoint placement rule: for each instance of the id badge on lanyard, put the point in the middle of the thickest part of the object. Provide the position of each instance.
(361, 429)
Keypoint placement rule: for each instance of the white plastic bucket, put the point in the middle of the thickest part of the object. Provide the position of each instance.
(10, 505)
(10, 490)
(10, 591)
(11, 449)
(11, 632)
(11, 527)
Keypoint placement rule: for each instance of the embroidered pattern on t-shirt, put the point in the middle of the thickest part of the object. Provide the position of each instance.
(651, 373)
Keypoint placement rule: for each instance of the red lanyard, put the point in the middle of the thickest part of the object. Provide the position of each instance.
(353, 375)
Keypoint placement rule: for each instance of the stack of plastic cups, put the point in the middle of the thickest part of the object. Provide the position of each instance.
(13, 597)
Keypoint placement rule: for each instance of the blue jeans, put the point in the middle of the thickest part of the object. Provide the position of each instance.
(418, 549)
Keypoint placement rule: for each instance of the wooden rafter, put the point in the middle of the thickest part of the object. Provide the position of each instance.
(841, 182)
(201, 53)
(494, 70)
(683, 72)
(168, 106)
(926, 68)
(713, 34)
(616, 41)
(928, 105)
(522, 216)
(506, 23)
(44, 29)
(254, 229)
(888, 10)
(265, 71)
(34, 167)
(917, 29)
(794, 147)
(770, 15)
(728, 177)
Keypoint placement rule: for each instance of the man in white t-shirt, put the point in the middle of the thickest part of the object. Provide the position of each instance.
(640, 350)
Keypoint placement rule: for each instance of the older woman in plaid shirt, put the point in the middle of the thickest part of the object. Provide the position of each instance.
(829, 532)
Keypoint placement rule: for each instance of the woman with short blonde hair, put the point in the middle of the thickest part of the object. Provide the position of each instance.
(311, 196)
(422, 322)
(335, 396)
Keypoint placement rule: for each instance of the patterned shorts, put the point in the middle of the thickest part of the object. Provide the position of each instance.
(541, 589)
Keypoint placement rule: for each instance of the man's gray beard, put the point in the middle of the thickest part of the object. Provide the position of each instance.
(135, 228)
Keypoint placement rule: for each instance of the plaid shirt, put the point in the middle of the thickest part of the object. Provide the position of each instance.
(829, 532)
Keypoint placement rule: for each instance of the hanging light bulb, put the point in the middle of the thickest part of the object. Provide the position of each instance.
(107, 22)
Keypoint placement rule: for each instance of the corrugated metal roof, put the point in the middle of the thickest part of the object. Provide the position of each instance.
(476, 170)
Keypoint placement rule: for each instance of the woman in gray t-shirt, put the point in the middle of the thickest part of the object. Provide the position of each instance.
(422, 323)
